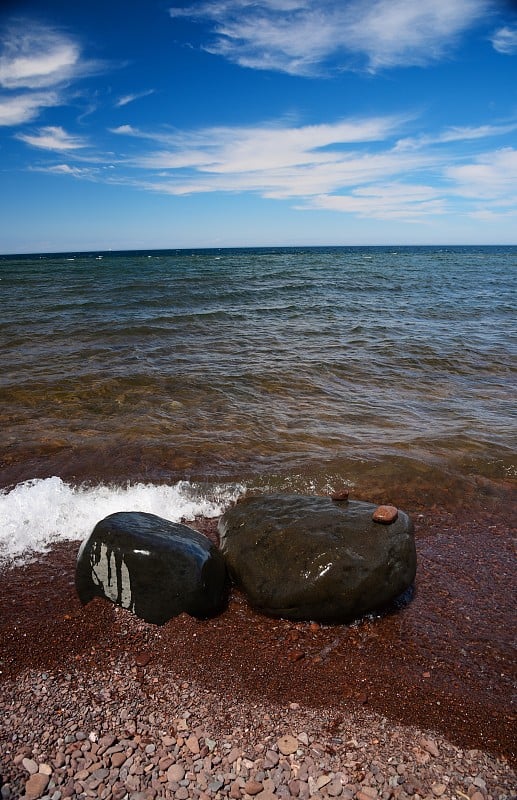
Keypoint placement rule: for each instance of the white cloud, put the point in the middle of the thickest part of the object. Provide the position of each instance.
(37, 63)
(357, 167)
(275, 161)
(301, 37)
(34, 57)
(409, 202)
(457, 134)
(130, 98)
(504, 40)
(25, 107)
(52, 138)
(66, 169)
(490, 176)
(259, 149)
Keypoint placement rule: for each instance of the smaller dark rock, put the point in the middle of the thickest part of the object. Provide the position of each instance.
(153, 567)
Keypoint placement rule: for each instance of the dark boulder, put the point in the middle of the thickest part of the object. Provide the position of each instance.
(155, 568)
(311, 558)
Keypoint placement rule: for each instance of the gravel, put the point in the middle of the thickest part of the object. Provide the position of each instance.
(137, 733)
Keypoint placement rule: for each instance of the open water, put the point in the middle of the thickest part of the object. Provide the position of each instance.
(170, 381)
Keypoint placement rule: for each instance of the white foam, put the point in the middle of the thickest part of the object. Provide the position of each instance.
(39, 512)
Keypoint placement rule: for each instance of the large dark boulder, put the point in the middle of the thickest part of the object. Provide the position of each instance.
(153, 567)
(311, 558)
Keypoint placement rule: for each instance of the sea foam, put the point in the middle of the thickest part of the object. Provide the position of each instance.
(40, 512)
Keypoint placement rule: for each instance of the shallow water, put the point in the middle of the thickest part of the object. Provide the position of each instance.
(390, 370)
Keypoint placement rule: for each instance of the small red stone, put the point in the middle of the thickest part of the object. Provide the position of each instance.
(142, 659)
(385, 514)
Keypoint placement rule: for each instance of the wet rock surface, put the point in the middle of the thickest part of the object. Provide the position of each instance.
(155, 568)
(312, 558)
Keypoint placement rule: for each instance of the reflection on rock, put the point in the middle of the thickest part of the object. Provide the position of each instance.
(312, 558)
(154, 568)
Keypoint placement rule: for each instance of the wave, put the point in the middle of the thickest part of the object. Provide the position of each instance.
(40, 512)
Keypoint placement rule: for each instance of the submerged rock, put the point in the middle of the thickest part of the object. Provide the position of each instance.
(154, 568)
(310, 558)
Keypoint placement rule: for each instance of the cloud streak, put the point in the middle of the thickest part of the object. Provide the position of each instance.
(304, 37)
(52, 138)
(130, 98)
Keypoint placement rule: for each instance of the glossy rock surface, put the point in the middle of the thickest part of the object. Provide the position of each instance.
(154, 568)
(310, 558)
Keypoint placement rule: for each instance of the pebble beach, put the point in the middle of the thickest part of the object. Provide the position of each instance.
(96, 703)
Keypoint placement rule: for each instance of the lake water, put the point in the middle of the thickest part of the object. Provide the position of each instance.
(170, 381)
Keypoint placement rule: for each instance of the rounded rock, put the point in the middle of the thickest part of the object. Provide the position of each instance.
(385, 514)
(287, 745)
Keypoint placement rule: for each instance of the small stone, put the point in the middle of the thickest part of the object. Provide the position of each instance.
(287, 745)
(182, 793)
(235, 791)
(335, 788)
(193, 744)
(36, 785)
(438, 789)
(253, 787)
(430, 746)
(341, 495)
(176, 773)
(30, 765)
(45, 769)
(233, 755)
(367, 793)
(477, 796)
(385, 514)
(322, 781)
(117, 759)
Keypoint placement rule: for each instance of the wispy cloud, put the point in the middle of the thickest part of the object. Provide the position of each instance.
(37, 63)
(52, 138)
(361, 167)
(23, 108)
(130, 98)
(36, 57)
(491, 176)
(389, 201)
(504, 40)
(458, 134)
(302, 37)
(66, 169)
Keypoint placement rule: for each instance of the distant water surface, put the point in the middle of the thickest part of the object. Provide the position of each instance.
(285, 368)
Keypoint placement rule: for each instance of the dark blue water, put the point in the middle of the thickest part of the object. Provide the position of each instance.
(286, 366)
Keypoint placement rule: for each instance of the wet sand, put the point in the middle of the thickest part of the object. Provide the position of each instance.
(445, 662)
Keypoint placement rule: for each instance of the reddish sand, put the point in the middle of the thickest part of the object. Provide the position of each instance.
(443, 662)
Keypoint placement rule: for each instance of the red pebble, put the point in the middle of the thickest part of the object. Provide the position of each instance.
(385, 514)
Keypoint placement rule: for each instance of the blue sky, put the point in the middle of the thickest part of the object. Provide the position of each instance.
(150, 124)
